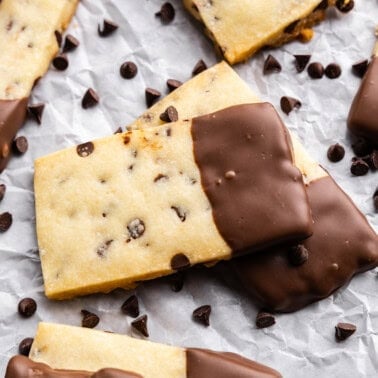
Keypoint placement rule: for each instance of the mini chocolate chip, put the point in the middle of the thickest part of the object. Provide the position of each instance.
(109, 27)
(102, 249)
(291, 27)
(160, 177)
(333, 71)
(20, 145)
(118, 131)
(202, 315)
(344, 6)
(264, 320)
(5, 221)
(3, 189)
(60, 62)
(128, 70)
(199, 67)
(173, 84)
(85, 149)
(375, 199)
(89, 320)
(27, 307)
(136, 228)
(336, 152)
(344, 330)
(360, 68)
(289, 103)
(58, 36)
(271, 65)
(374, 160)
(180, 262)
(176, 281)
(151, 96)
(131, 306)
(361, 147)
(315, 70)
(166, 13)
(170, 114)
(359, 167)
(90, 99)
(298, 255)
(180, 212)
(140, 325)
(70, 43)
(36, 111)
(25, 346)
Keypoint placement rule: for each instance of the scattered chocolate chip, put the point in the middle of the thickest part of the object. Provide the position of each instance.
(333, 71)
(264, 320)
(361, 147)
(291, 27)
(315, 70)
(36, 111)
(118, 131)
(271, 65)
(173, 84)
(85, 149)
(20, 145)
(180, 212)
(373, 161)
(90, 99)
(160, 177)
(60, 62)
(375, 199)
(170, 114)
(202, 315)
(298, 255)
(336, 152)
(229, 175)
(128, 70)
(166, 13)
(344, 330)
(199, 67)
(345, 6)
(5, 221)
(90, 320)
(27, 307)
(136, 228)
(58, 36)
(151, 96)
(3, 189)
(301, 62)
(25, 346)
(140, 325)
(176, 281)
(360, 68)
(289, 103)
(180, 262)
(102, 249)
(359, 167)
(109, 27)
(131, 306)
(70, 43)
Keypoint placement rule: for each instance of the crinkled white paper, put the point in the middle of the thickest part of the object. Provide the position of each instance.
(300, 344)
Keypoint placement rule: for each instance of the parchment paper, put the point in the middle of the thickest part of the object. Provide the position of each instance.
(300, 344)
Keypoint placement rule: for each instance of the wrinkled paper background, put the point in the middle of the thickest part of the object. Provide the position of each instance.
(300, 344)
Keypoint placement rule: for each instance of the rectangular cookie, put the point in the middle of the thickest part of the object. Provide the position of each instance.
(27, 45)
(241, 27)
(118, 356)
(149, 202)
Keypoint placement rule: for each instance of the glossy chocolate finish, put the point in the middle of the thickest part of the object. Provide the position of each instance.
(257, 195)
(342, 245)
(202, 363)
(363, 115)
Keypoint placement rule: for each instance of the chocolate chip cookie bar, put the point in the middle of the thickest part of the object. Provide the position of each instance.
(85, 351)
(28, 43)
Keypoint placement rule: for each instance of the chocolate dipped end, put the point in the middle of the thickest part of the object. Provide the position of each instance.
(24, 367)
(342, 245)
(257, 195)
(12, 116)
(363, 114)
(202, 363)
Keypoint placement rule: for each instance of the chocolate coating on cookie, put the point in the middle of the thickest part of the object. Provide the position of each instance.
(342, 245)
(264, 202)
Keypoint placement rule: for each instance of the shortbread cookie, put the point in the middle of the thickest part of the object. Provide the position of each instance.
(241, 27)
(145, 203)
(27, 44)
(363, 115)
(86, 350)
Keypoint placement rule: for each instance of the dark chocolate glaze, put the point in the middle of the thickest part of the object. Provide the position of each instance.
(342, 245)
(257, 195)
(23, 367)
(363, 114)
(12, 116)
(202, 363)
